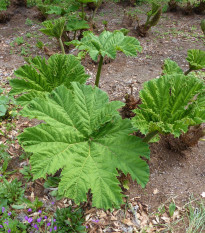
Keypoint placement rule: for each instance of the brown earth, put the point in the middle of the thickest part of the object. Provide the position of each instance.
(173, 175)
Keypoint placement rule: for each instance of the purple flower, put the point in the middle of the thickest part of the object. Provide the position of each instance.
(50, 230)
(9, 230)
(9, 213)
(30, 220)
(86, 227)
(55, 228)
(48, 224)
(1, 226)
(40, 211)
(1, 175)
(26, 218)
(3, 209)
(36, 226)
(29, 210)
(39, 220)
(54, 219)
(96, 220)
(52, 202)
(45, 217)
(7, 223)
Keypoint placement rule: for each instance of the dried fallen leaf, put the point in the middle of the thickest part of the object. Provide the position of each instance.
(127, 222)
(155, 191)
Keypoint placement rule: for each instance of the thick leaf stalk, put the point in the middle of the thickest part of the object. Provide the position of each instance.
(97, 80)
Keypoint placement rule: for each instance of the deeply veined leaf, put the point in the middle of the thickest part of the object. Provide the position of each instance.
(53, 28)
(41, 76)
(86, 138)
(107, 44)
(171, 67)
(170, 104)
(196, 59)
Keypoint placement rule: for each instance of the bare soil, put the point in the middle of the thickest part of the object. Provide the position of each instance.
(173, 175)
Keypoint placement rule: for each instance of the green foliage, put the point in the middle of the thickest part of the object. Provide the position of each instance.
(76, 24)
(26, 172)
(9, 224)
(53, 28)
(19, 40)
(4, 158)
(203, 25)
(106, 44)
(10, 191)
(196, 59)
(153, 15)
(171, 67)
(172, 208)
(41, 76)
(4, 4)
(69, 221)
(4, 101)
(168, 108)
(86, 138)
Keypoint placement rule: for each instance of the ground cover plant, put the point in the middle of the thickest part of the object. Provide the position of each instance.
(77, 153)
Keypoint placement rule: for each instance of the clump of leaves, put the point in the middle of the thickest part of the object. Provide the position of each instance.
(40, 76)
(168, 108)
(153, 17)
(84, 136)
(55, 29)
(68, 220)
(4, 158)
(106, 44)
(11, 191)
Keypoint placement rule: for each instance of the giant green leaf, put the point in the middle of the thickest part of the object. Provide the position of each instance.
(107, 44)
(86, 138)
(196, 59)
(170, 104)
(41, 76)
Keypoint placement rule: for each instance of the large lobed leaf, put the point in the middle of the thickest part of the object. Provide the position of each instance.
(41, 76)
(171, 104)
(107, 44)
(196, 59)
(87, 139)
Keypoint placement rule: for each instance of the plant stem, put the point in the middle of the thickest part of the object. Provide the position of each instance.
(150, 135)
(74, 35)
(188, 71)
(99, 71)
(61, 45)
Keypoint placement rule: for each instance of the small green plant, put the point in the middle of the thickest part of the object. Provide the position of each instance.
(28, 35)
(29, 22)
(172, 208)
(55, 29)
(24, 51)
(69, 220)
(39, 44)
(86, 138)
(196, 217)
(26, 172)
(19, 40)
(4, 159)
(11, 192)
(41, 76)
(196, 59)
(106, 44)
